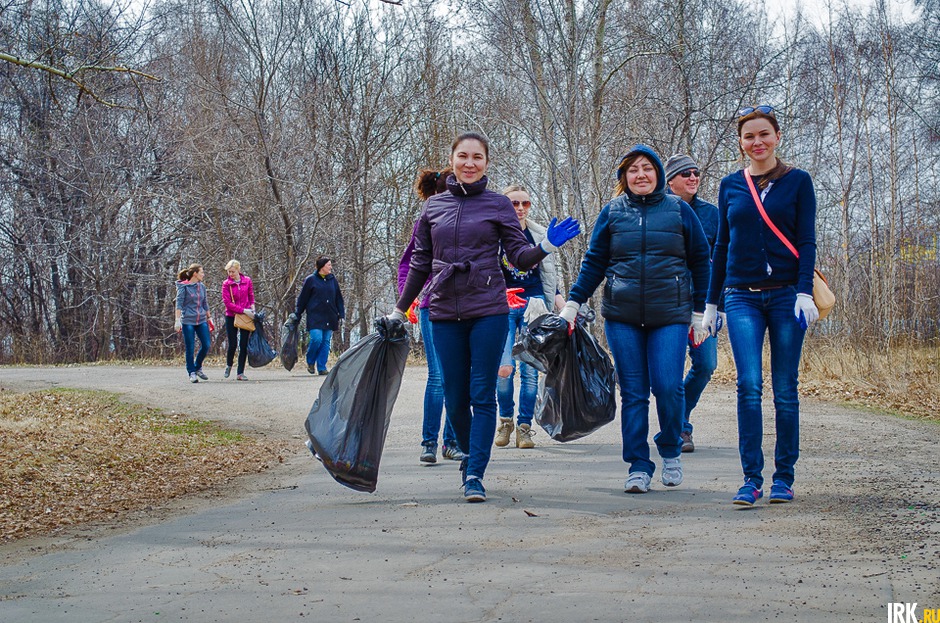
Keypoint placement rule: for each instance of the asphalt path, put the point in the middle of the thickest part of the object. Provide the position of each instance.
(557, 539)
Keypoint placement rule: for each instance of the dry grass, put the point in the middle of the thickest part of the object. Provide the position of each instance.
(903, 378)
(69, 457)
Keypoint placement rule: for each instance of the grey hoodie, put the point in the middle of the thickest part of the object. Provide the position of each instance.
(191, 300)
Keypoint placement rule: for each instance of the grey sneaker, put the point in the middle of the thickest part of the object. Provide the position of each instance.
(637, 482)
(312, 369)
(452, 453)
(672, 472)
(241, 377)
(428, 453)
(202, 374)
(193, 378)
(687, 443)
(228, 371)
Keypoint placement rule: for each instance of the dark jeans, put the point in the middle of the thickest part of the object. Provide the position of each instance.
(704, 361)
(190, 332)
(751, 315)
(649, 359)
(434, 390)
(469, 351)
(239, 337)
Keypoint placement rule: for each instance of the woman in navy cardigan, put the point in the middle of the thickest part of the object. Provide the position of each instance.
(768, 290)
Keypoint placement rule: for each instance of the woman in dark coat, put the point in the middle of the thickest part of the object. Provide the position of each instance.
(457, 241)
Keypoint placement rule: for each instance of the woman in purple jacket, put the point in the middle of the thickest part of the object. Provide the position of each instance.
(238, 294)
(457, 241)
(428, 184)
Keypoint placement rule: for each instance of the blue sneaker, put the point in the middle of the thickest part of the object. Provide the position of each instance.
(473, 490)
(780, 493)
(748, 494)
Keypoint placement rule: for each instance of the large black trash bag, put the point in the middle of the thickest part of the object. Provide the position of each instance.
(540, 344)
(577, 394)
(290, 335)
(349, 420)
(260, 352)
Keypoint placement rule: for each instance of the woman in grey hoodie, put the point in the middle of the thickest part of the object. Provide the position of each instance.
(193, 319)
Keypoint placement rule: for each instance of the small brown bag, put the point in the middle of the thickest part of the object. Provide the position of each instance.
(242, 321)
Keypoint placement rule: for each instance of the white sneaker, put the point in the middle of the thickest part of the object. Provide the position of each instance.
(637, 482)
(672, 472)
(193, 378)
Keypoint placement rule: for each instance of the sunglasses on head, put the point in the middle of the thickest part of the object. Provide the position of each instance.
(525, 204)
(690, 173)
(763, 108)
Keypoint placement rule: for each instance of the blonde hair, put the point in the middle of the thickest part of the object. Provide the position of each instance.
(233, 264)
(515, 188)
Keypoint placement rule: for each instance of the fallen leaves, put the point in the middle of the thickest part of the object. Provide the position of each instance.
(69, 457)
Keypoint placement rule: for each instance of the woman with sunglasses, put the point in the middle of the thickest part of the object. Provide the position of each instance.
(538, 285)
(767, 290)
(651, 249)
(457, 242)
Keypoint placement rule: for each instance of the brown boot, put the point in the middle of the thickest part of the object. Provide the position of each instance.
(524, 435)
(503, 431)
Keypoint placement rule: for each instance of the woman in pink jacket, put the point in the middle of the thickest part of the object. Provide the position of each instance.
(239, 297)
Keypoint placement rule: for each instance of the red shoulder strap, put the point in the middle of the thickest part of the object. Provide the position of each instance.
(763, 213)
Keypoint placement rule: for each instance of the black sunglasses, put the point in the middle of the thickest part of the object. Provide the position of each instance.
(767, 109)
(690, 173)
(525, 204)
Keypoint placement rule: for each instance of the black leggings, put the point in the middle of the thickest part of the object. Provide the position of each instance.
(241, 337)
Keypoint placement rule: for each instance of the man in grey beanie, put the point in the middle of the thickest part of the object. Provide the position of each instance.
(683, 177)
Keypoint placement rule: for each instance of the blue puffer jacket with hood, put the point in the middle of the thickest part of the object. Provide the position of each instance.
(647, 247)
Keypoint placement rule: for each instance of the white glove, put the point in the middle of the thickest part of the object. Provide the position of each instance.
(805, 306)
(710, 319)
(699, 332)
(569, 312)
(179, 325)
(722, 320)
(398, 315)
(534, 309)
(249, 312)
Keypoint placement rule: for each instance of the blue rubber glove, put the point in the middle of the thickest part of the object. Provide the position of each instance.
(560, 233)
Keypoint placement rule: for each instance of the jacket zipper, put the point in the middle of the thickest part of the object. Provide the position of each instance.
(456, 247)
(643, 270)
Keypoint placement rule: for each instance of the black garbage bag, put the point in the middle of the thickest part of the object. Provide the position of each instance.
(578, 392)
(260, 352)
(540, 344)
(290, 335)
(349, 420)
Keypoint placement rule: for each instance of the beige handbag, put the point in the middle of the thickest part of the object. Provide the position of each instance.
(242, 321)
(823, 297)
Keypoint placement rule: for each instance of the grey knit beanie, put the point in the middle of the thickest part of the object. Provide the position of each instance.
(677, 164)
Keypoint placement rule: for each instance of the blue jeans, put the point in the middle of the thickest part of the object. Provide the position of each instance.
(750, 316)
(190, 333)
(528, 376)
(434, 390)
(469, 352)
(704, 361)
(649, 359)
(318, 349)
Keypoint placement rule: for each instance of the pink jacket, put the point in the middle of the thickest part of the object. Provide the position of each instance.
(238, 296)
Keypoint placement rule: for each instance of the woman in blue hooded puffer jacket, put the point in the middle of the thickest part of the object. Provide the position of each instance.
(645, 244)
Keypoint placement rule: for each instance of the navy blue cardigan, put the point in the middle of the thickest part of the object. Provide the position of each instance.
(747, 252)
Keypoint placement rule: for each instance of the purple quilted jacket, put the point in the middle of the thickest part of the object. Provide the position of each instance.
(457, 240)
